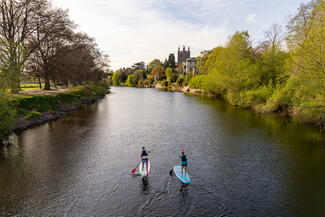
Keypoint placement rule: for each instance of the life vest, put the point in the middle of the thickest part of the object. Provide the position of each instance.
(183, 158)
(144, 155)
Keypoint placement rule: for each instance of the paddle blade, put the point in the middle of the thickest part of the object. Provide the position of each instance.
(133, 170)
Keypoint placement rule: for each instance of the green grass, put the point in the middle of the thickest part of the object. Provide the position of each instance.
(25, 104)
(32, 115)
(31, 86)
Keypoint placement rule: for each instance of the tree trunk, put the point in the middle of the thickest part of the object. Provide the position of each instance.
(54, 80)
(47, 85)
(39, 82)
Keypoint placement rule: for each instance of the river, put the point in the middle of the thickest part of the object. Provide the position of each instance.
(241, 163)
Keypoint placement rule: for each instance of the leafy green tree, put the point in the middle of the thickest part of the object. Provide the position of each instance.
(180, 81)
(158, 72)
(171, 76)
(130, 81)
(180, 68)
(116, 79)
(138, 76)
(272, 59)
(171, 61)
(154, 63)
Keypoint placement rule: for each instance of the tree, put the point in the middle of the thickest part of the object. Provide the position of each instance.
(138, 75)
(158, 72)
(139, 65)
(299, 25)
(153, 64)
(171, 61)
(180, 68)
(53, 31)
(116, 79)
(17, 24)
(7, 117)
(171, 76)
(272, 59)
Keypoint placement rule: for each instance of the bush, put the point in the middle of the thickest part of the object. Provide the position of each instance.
(7, 117)
(180, 81)
(198, 82)
(251, 98)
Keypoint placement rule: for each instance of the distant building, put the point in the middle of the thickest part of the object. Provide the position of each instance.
(182, 55)
(186, 61)
(190, 66)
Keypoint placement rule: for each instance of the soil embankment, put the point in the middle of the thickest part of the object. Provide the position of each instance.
(38, 107)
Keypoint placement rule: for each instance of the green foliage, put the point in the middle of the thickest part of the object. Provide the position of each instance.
(158, 72)
(116, 79)
(180, 81)
(198, 82)
(251, 98)
(153, 64)
(268, 78)
(187, 79)
(171, 76)
(32, 115)
(129, 81)
(7, 117)
(171, 63)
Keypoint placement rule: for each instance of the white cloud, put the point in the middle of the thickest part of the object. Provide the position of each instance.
(141, 30)
(132, 30)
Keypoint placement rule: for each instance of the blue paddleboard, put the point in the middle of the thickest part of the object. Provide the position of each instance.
(183, 177)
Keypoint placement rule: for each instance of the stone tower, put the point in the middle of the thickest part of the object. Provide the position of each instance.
(182, 55)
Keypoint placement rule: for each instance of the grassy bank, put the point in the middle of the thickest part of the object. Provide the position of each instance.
(26, 110)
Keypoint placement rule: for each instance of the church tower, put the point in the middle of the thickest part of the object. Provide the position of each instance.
(182, 55)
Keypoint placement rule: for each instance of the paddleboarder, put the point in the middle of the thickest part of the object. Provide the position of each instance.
(144, 157)
(184, 162)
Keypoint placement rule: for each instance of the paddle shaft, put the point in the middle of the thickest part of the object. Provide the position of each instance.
(136, 167)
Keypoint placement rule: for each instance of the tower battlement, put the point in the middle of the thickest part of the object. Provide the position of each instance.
(183, 54)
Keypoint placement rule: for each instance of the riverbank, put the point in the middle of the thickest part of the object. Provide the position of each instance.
(288, 111)
(38, 108)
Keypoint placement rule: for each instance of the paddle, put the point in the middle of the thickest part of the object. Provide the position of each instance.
(135, 167)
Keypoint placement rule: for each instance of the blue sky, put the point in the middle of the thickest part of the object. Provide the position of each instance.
(141, 30)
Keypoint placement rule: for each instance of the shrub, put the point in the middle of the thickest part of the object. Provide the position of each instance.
(198, 82)
(7, 117)
(180, 81)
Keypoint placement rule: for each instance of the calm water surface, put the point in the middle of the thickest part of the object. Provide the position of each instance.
(241, 164)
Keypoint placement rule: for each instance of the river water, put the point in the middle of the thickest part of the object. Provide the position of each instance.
(241, 164)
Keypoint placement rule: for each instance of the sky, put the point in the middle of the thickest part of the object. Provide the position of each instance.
(131, 31)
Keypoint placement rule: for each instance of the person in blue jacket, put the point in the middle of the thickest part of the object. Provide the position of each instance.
(184, 162)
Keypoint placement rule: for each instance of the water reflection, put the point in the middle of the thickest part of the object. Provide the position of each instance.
(241, 164)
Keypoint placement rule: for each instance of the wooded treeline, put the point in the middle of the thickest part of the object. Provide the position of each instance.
(142, 75)
(38, 40)
(284, 73)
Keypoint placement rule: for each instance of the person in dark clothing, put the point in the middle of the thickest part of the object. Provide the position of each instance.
(184, 162)
(144, 157)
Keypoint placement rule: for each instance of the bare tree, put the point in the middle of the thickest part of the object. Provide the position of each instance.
(17, 24)
(54, 30)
